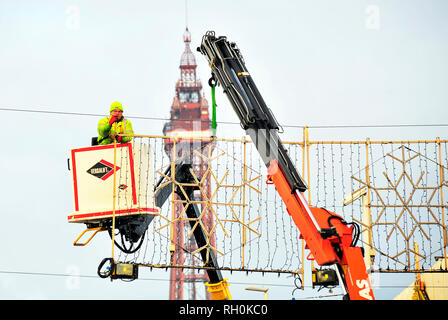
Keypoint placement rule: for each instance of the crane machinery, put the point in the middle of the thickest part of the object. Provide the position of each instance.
(330, 239)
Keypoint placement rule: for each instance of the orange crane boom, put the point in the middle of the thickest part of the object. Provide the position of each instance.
(328, 236)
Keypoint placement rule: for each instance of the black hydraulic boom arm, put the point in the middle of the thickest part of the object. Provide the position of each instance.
(256, 118)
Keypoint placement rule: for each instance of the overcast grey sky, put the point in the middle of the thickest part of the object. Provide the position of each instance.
(320, 62)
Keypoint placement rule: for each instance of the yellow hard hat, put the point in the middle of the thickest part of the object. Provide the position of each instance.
(116, 105)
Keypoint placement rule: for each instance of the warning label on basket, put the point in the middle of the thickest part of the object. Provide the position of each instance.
(102, 169)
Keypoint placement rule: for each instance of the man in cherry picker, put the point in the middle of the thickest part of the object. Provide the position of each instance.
(110, 127)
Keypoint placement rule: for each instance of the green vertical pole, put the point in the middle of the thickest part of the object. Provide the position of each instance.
(213, 112)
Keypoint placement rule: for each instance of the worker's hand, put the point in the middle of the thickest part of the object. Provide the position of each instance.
(113, 119)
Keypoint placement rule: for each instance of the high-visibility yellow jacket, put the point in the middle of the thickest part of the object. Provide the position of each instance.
(124, 126)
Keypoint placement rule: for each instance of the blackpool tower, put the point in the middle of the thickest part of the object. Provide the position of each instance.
(189, 117)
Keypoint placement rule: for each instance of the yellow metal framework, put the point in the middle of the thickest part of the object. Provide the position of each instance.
(368, 222)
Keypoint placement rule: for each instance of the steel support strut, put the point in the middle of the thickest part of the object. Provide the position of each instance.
(217, 286)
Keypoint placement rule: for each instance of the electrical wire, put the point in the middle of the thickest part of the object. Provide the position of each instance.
(226, 122)
(49, 274)
(356, 227)
(96, 277)
(123, 247)
(101, 115)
